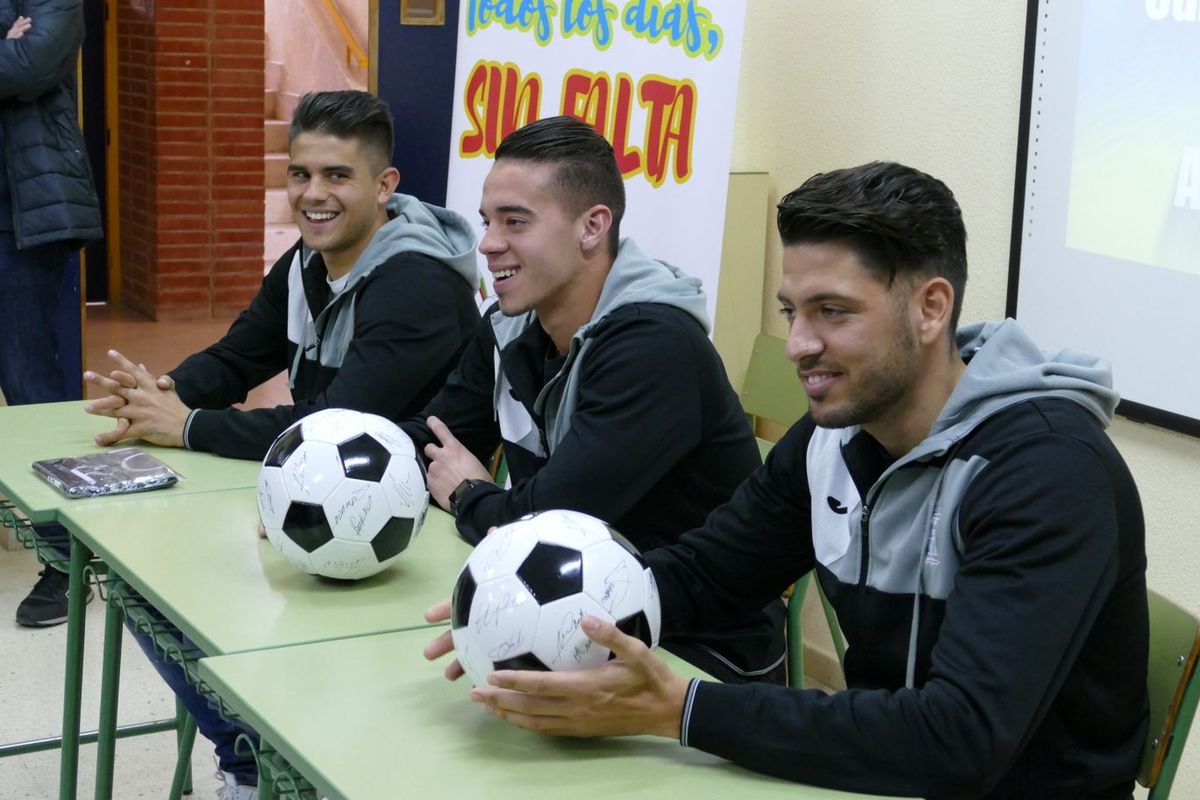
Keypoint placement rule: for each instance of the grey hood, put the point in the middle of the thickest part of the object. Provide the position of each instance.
(1006, 367)
(638, 278)
(418, 227)
(413, 227)
(633, 278)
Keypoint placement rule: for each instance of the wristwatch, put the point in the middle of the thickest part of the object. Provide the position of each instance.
(460, 492)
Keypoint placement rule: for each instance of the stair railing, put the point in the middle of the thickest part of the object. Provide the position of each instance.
(354, 51)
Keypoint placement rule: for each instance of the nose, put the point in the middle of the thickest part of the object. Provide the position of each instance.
(314, 189)
(802, 343)
(491, 243)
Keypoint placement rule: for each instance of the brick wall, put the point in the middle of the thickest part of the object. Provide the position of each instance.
(190, 110)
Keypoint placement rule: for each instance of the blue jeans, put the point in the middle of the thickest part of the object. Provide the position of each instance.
(30, 282)
(220, 731)
(57, 537)
(29, 286)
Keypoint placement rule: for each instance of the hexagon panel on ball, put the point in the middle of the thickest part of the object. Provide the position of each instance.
(502, 623)
(312, 471)
(612, 576)
(390, 435)
(273, 500)
(560, 643)
(332, 425)
(345, 560)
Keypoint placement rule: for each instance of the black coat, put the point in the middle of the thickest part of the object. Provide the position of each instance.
(52, 192)
(1030, 675)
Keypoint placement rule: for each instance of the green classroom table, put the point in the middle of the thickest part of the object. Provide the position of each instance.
(198, 561)
(370, 719)
(51, 430)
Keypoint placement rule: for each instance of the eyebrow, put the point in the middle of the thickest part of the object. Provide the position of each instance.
(822, 297)
(512, 209)
(331, 168)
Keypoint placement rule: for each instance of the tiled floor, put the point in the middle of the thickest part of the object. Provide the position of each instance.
(31, 680)
(31, 661)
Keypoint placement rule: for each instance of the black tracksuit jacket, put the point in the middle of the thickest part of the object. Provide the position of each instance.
(657, 440)
(413, 317)
(1002, 561)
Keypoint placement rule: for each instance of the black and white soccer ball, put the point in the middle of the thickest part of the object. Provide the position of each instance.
(342, 493)
(525, 589)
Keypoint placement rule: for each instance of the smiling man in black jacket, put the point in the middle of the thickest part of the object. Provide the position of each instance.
(977, 533)
(595, 371)
(369, 311)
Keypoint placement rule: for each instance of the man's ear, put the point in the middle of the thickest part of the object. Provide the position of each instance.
(933, 304)
(597, 221)
(389, 179)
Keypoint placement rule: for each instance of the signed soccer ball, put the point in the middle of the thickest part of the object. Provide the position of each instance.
(342, 493)
(524, 590)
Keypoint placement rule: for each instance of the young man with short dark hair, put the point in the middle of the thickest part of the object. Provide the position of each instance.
(979, 536)
(369, 310)
(595, 371)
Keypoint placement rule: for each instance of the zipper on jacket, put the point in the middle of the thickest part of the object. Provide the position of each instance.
(863, 560)
(865, 519)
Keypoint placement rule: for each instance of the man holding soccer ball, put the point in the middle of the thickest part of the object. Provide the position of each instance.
(977, 533)
(595, 371)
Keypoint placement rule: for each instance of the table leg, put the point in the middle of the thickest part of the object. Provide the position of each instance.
(73, 683)
(266, 786)
(110, 683)
(185, 739)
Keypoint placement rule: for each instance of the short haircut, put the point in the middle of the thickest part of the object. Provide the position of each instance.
(898, 220)
(349, 114)
(586, 171)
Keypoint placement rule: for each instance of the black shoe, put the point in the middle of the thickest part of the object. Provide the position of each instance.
(46, 604)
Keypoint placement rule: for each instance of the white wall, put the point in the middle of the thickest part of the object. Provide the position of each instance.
(936, 84)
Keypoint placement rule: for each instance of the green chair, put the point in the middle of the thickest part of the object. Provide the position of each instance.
(498, 467)
(794, 638)
(771, 390)
(1174, 646)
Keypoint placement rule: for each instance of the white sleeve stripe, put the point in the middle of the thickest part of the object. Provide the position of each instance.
(686, 720)
(187, 425)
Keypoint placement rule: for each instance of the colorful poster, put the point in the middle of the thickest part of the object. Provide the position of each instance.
(657, 77)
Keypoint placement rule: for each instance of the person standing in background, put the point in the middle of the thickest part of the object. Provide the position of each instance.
(48, 210)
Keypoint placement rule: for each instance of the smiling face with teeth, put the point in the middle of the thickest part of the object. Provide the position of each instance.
(542, 255)
(338, 196)
(868, 352)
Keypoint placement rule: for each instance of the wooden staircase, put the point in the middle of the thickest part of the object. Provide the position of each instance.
(321, 32)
